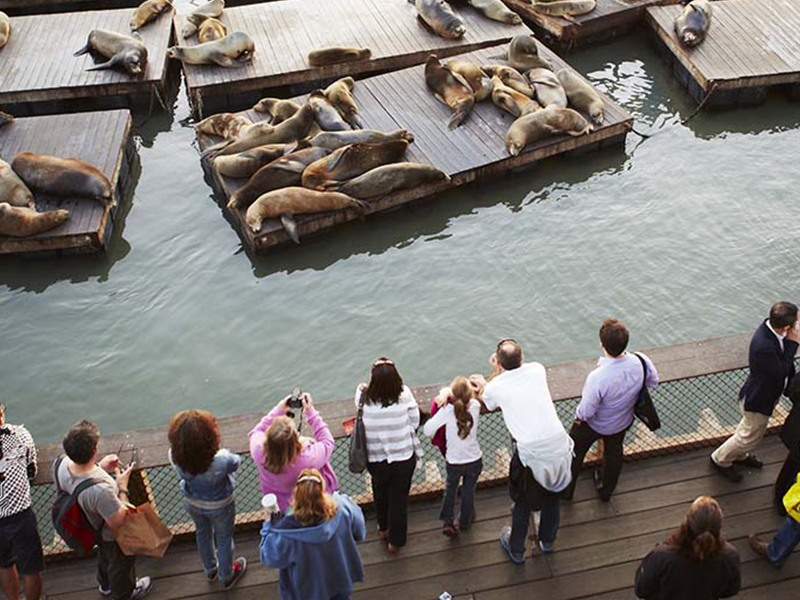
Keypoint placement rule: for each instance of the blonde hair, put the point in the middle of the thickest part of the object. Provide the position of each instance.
(462, 392)
(311, 505)
(281, 445)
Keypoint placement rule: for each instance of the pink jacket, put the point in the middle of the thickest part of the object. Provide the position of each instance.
(314, 455)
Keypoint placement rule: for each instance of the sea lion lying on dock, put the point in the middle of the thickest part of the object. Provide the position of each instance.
(286, 202)
(20, 221)
(282, 172)
(566, 9)
(692, 24)
(12, 189)
(209, 10)
(450, 89)
(549, 91)
(211, 29)
(523, 53)
(496, 10)
(543, 123)
(234, 50)
(279, 109)
(5, 29)
(351, 161)
(333, 140)
(512, 78)
(510, 100)
(386, 179)
(582, 95)
(63, 177)
(148, 11)
(440, 18)
(245, 164)
(336, 55)
(5, 118)
(477, 79)
(123, 50)
(340, 94)
(224, 125)
(325, 113)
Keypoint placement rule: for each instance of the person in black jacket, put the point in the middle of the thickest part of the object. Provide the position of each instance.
(790, 436)
(771, 358)
(696, 563)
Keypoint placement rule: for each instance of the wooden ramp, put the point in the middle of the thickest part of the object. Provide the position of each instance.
(285, 32)
(40, 74)
(608, 20)
(475, 150)
(598, 549)
(99, 138)
(36, 7)
(751, 46)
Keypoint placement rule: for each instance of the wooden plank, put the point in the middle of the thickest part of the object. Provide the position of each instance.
(34, 7)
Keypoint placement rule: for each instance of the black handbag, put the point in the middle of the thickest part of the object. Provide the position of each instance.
(644, 409)
(357, 456)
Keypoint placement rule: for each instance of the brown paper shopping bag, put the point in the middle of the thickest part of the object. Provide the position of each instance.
(143, 533)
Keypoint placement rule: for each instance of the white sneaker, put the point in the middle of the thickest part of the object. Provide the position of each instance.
(144, 586)
(103, 591)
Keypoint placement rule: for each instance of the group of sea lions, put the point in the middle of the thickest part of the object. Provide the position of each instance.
(537, 97)
(692, 24)
(310, 158)
(439, 16)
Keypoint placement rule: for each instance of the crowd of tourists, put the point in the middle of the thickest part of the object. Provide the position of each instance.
(310, 531)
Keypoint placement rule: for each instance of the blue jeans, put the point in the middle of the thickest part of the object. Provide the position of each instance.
(548, 526)
(469, 472)
(215, 538)
(784, 542)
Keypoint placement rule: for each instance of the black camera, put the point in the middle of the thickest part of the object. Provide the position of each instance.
(296, 401)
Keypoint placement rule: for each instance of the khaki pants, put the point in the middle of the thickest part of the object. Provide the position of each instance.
(744, 440)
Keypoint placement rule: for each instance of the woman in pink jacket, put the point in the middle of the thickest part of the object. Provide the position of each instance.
(280, 453)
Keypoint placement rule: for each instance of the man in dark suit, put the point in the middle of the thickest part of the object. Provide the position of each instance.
(790, 436)
(771, 358)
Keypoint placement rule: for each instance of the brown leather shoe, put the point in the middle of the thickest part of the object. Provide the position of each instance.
(758, 546)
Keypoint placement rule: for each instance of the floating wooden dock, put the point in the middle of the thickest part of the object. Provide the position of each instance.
(608, 20)
(475, 150)
(751, 46)
(37, 7)
(40, 75)
(99, 138)
(285, 32)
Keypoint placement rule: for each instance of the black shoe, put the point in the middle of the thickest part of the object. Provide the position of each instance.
(729, 473)
(749, 461)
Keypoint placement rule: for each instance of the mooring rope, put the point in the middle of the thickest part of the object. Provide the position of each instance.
(685, 121)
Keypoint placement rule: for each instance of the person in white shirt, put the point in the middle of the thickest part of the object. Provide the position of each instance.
(541, 464)
(458, 413)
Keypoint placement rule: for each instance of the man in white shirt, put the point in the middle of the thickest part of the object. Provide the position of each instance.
(540, 467)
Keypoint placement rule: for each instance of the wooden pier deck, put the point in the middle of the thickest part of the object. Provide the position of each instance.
(40, 75)
(37, 7)
(99, 138)
(285, 32)
(598, 549)
(473, 151)
(609, 19)
(751, 46)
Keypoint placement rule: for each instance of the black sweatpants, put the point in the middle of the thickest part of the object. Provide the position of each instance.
(391, 483)
(584, 436)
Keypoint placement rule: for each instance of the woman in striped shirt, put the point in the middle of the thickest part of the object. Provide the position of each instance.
(391, 418)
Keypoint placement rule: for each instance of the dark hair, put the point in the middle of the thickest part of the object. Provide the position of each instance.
(699, 536)
(80, 443)
(461, 389)
(194, 440)
(614, 336)
(509, 354)
(385, 383)
(782, 314)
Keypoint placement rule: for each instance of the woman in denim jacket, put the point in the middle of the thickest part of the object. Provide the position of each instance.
(207, 482)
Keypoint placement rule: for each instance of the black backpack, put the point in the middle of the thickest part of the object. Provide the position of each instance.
(69, 519)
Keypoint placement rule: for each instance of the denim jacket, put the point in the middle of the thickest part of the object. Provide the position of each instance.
(214, 488)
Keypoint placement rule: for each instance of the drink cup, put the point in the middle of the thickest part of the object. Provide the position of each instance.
(270, 503)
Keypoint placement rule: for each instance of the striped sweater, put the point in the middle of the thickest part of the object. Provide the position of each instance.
(391, 430)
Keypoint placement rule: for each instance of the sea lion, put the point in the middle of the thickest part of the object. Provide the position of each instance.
(279, 109)
(523, 54)
(281, 172)
(333, 140)
(325, 113)
(351, 161)
(211, 29)
(340, 94)
(582, 95)
(224, 125)
(20, 221)
(5, 28)
(119, 49)
(692, 24)
(477, 79)
(286, 202)
(439, 17)
(148, 11)
(12, 189)
(386, 179)
(450, 89)
(566, 9)
(336, 55)
(65, 177)
(248, 162)
(234, 50)
(544, 123)
(5, 118)
(496, 10)
(510, 100)
(209, 10)
(549, 91)
(512, 78)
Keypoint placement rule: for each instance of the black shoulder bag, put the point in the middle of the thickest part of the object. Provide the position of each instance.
(644, 409)
(357, 457)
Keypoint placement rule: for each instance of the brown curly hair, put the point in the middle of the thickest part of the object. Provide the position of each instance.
(194, 439)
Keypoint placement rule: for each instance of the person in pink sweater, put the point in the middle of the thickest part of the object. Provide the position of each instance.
(280, 453)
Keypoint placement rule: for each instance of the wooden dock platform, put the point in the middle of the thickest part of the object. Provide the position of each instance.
(473, 151)
(99, 138)
(609, 19)
(38, 7)
(40, 75)
(285, 32)
(751, 46)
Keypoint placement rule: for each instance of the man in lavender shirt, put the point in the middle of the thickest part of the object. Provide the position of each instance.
(606, 408)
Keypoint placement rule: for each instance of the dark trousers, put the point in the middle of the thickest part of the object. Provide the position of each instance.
(548, 526)
(469, 473)
(391, 483)
(115, 571)
(786, 478)
(584, 436)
